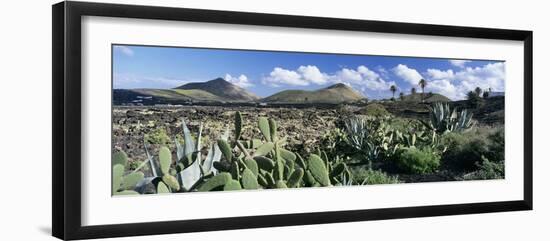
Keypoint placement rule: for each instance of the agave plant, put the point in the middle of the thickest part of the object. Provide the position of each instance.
(442, 119)
(361, 137)
(366, 136)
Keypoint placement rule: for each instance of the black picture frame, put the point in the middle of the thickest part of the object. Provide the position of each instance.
(66, 128)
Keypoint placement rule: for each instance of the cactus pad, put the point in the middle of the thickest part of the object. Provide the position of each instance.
(171, 181)
(249, 180)
(162, 188)
(264, 163)
(238, 125)
(281, 184)
(295, 178)
(264, 149)
(226, 149)
(252, 165)
(232, 185)
(273, 130)
(318, 170)
(131, 180)
(215, 182)
(287, 155)
(165, 158)
(120, 157)
(118, 171)
(263, 124)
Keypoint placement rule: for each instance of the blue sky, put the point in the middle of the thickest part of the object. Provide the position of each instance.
(268, 72)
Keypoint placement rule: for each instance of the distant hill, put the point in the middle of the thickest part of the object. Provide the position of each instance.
(338, 93)
(217, 90)
(221, 88)
(162, 96)
(428, 98)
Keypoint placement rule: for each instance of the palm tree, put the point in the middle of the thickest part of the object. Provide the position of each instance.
(393, 89)
(422, 84)
(478, 91)
(401, 96)
(413, 90)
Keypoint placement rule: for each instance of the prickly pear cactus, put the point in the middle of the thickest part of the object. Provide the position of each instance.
(232, 185)
(249, 180)
(215, 182)
(263, 124)
(123, 184)
(295, 178)
(238, 125)
(318, 170)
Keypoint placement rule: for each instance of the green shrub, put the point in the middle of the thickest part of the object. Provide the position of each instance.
(496, 151)
(418, 161)
(487, 170)
(374, 109)
(158, 136)
(466, 149)
(366, 176)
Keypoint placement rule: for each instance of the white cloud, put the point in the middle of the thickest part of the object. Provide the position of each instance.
(125, 50)
(348, 75)
(408, 74)
(361, 78)
(457, 85)
(439, 74)
(489, 76)
(241, 81)
(459, 63)
(313, 74)
(444, 87)
(283, 76)
(303, 76)
(382, 71)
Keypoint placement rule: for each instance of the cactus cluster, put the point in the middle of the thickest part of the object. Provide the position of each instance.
(378, 140)
(238, 163)
(266, 164)
(123, 183)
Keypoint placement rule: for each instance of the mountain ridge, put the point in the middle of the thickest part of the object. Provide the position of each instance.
(219, 90)
(222, 88)
(334, 94)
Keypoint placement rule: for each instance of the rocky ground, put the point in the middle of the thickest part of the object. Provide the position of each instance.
(302, 127)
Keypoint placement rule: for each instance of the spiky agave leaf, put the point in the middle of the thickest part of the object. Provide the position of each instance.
(154, 169)
(190, 176)
(189, 144)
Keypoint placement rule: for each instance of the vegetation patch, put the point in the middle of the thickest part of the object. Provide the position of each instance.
(418, 161)
(374, 109)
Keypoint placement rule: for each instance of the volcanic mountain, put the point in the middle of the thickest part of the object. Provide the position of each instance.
(334, 94)
(217, 90)
(221, 88)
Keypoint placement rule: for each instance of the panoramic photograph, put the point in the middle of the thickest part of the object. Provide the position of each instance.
(202, 119)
